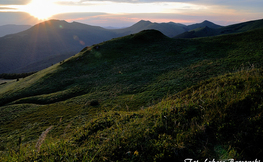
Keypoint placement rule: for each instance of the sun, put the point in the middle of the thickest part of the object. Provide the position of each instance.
(41, 9)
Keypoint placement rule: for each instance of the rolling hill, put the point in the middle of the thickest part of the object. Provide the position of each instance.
(142, 97)
(206, 31)
(53, 41)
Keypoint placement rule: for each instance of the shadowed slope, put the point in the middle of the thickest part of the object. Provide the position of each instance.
(202, 25)
(208, 31)
(52, 38)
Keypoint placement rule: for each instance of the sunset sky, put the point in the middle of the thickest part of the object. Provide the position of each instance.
(121, 13)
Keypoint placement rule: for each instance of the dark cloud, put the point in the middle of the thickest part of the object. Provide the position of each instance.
(251, 6)
(19, 18)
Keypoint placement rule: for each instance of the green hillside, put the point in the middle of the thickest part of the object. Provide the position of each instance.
(142, 97)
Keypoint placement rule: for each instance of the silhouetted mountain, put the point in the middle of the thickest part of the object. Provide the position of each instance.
(203, 24)
(179, 24)
(52, 41)
(60, 39)
(112, 27)
(236, 28)
(48, 39)
(241, 27)
(200, 32)
(168, 29)
(11, 29)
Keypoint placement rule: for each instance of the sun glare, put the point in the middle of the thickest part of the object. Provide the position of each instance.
(45, 9)
(41, 9)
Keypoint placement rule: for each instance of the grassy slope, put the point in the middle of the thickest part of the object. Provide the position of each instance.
(132, 73)
(218, 118)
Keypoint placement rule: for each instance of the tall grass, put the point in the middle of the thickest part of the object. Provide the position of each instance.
(42, 138)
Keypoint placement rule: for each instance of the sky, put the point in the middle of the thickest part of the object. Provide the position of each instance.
(123, 13)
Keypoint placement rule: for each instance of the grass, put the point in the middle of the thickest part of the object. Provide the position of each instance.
(190, 124)
(156, 99)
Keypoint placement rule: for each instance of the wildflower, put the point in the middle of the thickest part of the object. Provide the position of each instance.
(136, 153)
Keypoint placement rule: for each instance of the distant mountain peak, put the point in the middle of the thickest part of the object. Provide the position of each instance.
(52, 22)
(206, 21)
(203, 24)
(55, 21)
(141, 24)
(148, 35)
(144, 21)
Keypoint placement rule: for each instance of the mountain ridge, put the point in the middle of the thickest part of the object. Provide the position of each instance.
(230, 29)
(203, 24)
(169, 29)
(47, 39)
(56, 38)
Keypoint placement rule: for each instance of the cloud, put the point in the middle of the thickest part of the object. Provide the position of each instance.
(77, 16)
(18, 18)
(51, 8)
(6, 9)
(151, 6)
(238, 5)
(14, 2)
(81, 2)
(127, 7)
(126, 12)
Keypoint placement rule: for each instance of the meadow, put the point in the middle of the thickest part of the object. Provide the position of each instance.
(142, 97)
